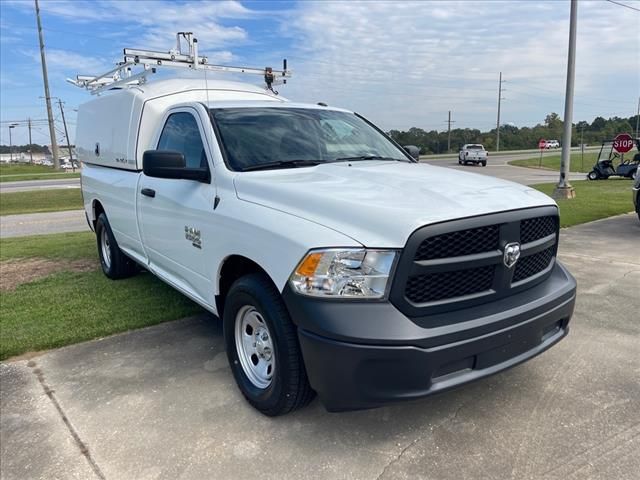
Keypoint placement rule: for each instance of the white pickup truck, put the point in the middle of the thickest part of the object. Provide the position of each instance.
(473, 153)
(337, 263)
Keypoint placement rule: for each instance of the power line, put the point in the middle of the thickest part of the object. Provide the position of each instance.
(623, 5)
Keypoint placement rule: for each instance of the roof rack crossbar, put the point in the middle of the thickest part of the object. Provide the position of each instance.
(122, 76)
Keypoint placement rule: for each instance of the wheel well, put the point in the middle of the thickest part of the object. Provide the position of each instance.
(234, 267)
(97, 210)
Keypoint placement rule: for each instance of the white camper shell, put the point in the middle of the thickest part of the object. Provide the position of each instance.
(115, 129)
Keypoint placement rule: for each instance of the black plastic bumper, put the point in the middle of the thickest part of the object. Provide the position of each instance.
(367, 354)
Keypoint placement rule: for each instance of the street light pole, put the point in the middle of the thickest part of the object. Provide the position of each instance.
(11, 127)
(564, 188)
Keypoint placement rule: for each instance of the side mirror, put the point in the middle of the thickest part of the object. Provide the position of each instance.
(170, 164)
(413, 151)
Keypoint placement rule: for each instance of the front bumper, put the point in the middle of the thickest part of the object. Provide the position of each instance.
(367, 354)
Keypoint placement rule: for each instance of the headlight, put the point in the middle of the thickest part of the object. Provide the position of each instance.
(348, 273)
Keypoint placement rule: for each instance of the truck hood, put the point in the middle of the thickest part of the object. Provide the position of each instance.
(380, 203)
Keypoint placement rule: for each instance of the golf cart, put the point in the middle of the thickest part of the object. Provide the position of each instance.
(605, 165)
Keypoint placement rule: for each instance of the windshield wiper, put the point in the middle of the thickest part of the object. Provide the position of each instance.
(281, 164)
(369, 157)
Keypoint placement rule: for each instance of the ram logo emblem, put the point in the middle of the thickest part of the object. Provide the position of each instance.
(193, 235)
(511, 254)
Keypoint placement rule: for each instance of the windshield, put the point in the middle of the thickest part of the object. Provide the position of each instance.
(293, 137)
(475, 147)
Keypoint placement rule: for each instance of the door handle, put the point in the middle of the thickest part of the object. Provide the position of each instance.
(148, 192)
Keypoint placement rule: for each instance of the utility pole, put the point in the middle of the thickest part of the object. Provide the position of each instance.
(638, 119)
(499, 105)
(66, 134)
(30, 143)
(564, 188)
(449, 122)
(45, 77)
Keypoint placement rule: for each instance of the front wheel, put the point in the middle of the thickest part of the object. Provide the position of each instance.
(262, 347)
(484, 164)
(592, 175)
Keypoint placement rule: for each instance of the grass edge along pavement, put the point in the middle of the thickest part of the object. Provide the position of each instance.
(594, 200)
(68, 306)
(23, 172)
(551, 161)
(39, 201)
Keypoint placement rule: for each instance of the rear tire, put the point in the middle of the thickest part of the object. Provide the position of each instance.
(592, 175)
(263, 349)
(115, 264)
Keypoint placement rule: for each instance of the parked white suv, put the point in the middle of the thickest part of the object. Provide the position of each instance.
(337, 263)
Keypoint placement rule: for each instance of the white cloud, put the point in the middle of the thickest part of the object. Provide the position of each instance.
(409, 63)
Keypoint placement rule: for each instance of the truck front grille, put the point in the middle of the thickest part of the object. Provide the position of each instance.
(463, 242)
(533, 264)
(536, 228)
(437, 286)
(460, 263)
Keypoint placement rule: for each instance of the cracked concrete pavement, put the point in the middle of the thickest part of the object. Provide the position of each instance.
(161, 403)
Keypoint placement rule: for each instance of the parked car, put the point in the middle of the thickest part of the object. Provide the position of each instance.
(552, 144)
(636, 200)
(473, 153)
(338, 264)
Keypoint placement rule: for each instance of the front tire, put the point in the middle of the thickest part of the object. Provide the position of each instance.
(263, 349)
(592, 175)
(484, 164)
(115, 264)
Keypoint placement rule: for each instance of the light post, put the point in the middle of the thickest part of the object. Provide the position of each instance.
(11, 127)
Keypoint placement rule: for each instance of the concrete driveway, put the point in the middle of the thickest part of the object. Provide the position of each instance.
(160, 403)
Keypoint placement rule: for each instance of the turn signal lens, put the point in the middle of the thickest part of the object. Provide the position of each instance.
(309, 265)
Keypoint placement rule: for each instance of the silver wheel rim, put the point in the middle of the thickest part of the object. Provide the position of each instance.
(254, 344)
(105, 247)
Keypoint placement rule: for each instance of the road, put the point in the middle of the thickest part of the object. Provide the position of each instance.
(73, 221)
(161, 403)
(42, 223)
(27, 185)
(498, 166)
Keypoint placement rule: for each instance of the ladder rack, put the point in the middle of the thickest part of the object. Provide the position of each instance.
(122, 75)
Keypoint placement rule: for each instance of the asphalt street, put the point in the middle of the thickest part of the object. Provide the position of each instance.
(73, 221)
(161, 403)
(28, 185)
(42, 223)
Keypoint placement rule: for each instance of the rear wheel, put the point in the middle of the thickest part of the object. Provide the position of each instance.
(262, 347)
(115, 264)
(592, 175)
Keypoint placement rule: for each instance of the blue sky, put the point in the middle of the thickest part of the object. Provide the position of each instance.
(401, 64)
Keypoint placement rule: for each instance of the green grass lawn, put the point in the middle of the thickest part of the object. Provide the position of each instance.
(16, 173)
(21, 169)
(594, 200)
(40, 201)
(551, 161)
(70, 306)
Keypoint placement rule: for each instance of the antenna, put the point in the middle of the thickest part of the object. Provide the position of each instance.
(149, 60)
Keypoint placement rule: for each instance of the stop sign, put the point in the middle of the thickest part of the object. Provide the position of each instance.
(623, 143)
(542, 143)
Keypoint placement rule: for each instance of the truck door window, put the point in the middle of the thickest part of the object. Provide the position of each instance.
(181, 134)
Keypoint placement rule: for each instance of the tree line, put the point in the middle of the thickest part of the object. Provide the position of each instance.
(517, 138)
(34, 147)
